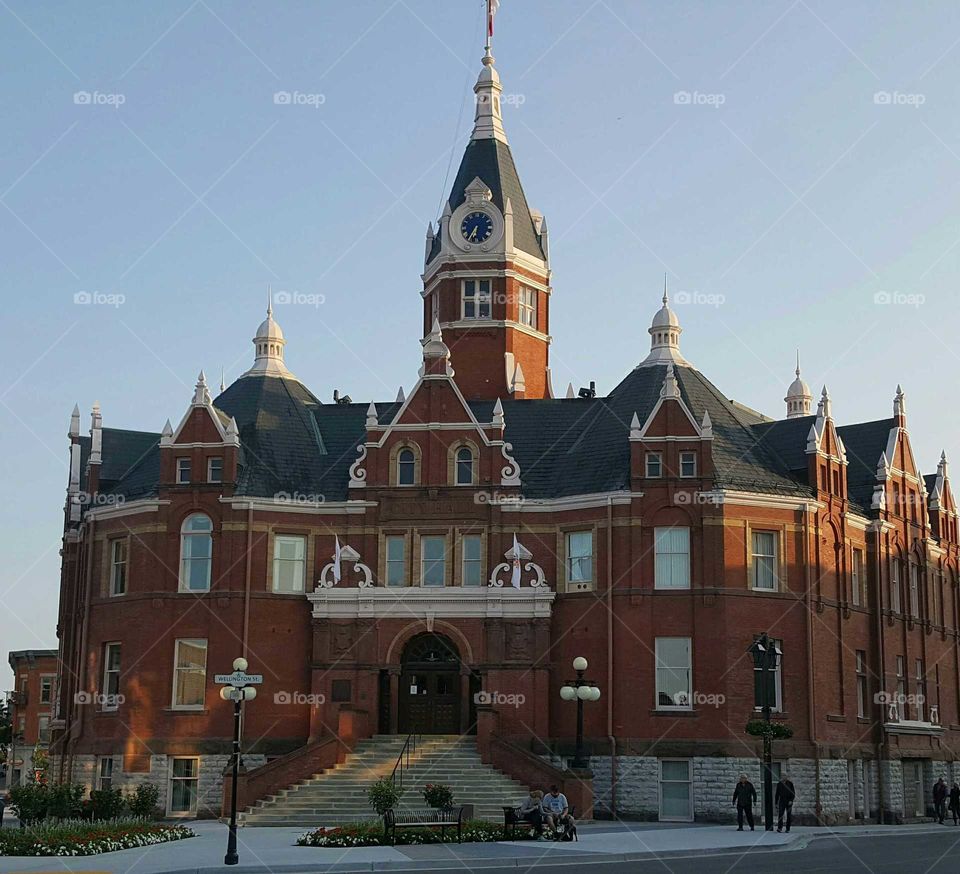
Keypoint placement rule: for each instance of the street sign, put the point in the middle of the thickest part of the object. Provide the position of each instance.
(238, 679)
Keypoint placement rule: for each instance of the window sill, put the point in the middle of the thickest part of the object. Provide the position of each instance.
(836, 717)
(187, 710)
(862, 720)
(666, 711)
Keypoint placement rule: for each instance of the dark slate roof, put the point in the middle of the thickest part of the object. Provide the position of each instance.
(122, 451)
(492, 162)
(787, 438)
(930, 481)
(864, 442)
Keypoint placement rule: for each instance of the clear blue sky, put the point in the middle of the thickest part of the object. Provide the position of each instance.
(783, 192)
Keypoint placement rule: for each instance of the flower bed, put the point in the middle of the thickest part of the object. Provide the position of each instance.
(80, 838)
(370, 834)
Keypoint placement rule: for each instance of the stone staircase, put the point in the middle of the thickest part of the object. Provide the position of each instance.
(338, 796)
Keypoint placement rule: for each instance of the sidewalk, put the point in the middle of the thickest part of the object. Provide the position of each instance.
(273, 850)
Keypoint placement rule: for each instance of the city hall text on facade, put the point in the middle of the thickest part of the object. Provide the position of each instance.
(433, 563)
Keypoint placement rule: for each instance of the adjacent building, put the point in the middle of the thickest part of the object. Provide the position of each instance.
(31, 707)
(433, 563)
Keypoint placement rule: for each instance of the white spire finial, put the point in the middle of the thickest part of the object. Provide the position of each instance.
(488, 122)
(201, 394)
(269, 302)
(664, 334)
(825, 406)
(268, 345)
(798, 399)
(223, 385)
(372, 421)
(899, 403)
(666, 297)
(798, 364)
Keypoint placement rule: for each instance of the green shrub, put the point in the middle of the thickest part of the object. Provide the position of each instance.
(144, 800)
(79, 838)
(370, 834)
(106, 803)
(64, 800)
(773, 730)
(29, 802)
(438, 796)
(383, 795)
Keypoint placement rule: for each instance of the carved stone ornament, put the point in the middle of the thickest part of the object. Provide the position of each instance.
(358, 474)
(348, 555)
(520, 554)
(510, 473)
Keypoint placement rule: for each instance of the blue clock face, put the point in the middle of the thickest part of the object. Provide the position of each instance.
(476, 227)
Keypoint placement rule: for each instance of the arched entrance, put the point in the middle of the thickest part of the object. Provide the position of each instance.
(430, 688)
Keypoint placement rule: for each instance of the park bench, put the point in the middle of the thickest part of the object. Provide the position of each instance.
(429, 818)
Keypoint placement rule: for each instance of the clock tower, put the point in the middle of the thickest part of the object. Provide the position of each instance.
(486, 272)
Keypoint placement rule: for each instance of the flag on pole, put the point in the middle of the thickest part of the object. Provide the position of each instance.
(515, 576)
(336, 559)
(492, 6)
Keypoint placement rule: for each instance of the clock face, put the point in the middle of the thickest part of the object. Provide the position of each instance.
(476, 227)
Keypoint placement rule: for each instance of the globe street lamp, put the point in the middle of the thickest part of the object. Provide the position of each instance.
(766, 658)
(237, 687)
(580, 690)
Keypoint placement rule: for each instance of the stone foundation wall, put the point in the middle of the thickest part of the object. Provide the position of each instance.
(209, 784)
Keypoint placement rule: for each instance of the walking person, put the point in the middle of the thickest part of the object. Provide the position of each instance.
(955, 802)
(744, 797)
(784, 798)
(940, 800)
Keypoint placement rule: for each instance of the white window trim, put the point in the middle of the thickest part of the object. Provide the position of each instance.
(182, 583)
(53, 680)
(477, 297)
(423, 560)
(776, 560)
(456, 466)
(464, 561)
(589, 583)
(413, 452)
(657, 584)
(525, 308)
(689, 782)
(404, 561)
(99, 773)
(210, 462)
(276, 560)
(657, 666)
(180, 471)
(113, 544)
(653, 456)
(693, 475)
(176, 660)
(182, 814)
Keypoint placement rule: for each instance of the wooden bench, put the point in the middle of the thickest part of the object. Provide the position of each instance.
(428, 818)
(512, 819)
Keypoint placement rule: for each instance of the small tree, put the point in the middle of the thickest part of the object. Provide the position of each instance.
(29, 801)
(438, 796)
(106, 803)
(41, 763)
(144, 800)
(64, 800)
(383, 795)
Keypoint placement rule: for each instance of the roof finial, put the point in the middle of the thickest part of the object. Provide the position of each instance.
(798, 363)
(269, 302)
(488, 121)
(666, 297)
(492, 6)
(223, 384)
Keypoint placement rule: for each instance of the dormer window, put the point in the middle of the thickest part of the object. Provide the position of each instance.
(183, 471)
(476, 299)
(654, 464)
(406, 468)
(688, 464)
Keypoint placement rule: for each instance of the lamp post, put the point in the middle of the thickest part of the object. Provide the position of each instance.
(766, 658)
(238, 687)
(580, 690)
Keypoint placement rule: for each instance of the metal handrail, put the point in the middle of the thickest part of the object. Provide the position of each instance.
(403, 760)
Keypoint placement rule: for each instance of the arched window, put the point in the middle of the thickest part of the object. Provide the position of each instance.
(196, 553)
(464, 466)
(406, 467)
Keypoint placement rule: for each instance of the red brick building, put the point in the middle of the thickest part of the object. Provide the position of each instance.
(434, 563)
(31, 707)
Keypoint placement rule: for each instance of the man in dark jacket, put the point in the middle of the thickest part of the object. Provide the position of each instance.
(955, 802)
(784, 797)
(940, 800)
(744, 796)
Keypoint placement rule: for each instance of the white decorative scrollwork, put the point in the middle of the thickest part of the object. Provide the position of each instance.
(539, 580)
(348, 555)
(358, 474)
(510, 473)
(516, 554)
(495, 582)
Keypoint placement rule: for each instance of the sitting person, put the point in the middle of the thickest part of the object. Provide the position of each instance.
(531, 810)
(556, 810)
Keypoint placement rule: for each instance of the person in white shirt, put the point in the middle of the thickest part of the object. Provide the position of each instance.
(556, 809)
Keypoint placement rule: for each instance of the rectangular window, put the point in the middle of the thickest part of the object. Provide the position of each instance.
(105, 772)
(676, 797)
(118, 566)
(688, 464)
(528, 307)
(654, 465)
(190, 674)
(764, 560)
(901, 688)
(672, 558)
(476, 298)
(111, 677)
(774, 690)
(935, 600)
(472, 565)
(862, 693)
(895, 585)
(46, 689)
(43, 729)
(396, 561)
(289, 562)
(579, 557)
(858, 580)
(435, 306)
(914, 590)
(433, 560)
(673, 656)
(214, 470)
(184, 783)
(183, 470)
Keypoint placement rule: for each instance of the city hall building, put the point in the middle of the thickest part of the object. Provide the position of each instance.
(433, 563)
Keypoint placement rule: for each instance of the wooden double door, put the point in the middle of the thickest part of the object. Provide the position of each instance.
(430, 701)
